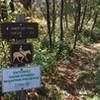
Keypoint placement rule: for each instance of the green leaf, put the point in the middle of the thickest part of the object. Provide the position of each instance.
(96, 98)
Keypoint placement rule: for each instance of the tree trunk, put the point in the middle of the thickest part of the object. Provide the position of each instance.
(83, 18)
(53, 21)
(48, 23)
(77, 22)
(66, 14)
(26, 3)
(95, 20)
(61, 21)
(89, 16)
(66, 19)
(95, 17)
(61, 26)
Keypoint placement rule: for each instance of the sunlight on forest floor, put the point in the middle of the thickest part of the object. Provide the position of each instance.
(66, 72)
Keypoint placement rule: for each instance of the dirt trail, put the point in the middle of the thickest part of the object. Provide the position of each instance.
(92, 48)
(66, 70)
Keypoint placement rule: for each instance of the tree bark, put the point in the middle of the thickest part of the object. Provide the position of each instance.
(83, 18)
(61, 21)
(95, 20)
(61, 26)
(53, 21)
(95, 17)
(49, 23)
(26, 3)
(66, 14)
(77, 22)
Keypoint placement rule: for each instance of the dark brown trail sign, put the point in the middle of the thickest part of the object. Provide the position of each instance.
(19, 30)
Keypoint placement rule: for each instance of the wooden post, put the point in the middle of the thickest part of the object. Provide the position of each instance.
(20, 18)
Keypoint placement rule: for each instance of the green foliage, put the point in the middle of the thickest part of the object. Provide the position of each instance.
(96, 60)
(97, 75)
(84, 78)
(86, 33)
(96, 35)
(45, 42)
(96, 97)
(96, 31)
(4, 55)
(98, 7)
(10, 96)
(42, 56)
(68, 8)
(98, 88)
(4, 12)
(84, 40)
(43, 91)
(49, 93)
(55, 94)
(85, 37)
(97, 80)
(64, 50)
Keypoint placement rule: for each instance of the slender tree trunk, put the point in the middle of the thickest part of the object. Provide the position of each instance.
(66, 14)
(48, 23)
(61, 21)
(83, 18)
(53, 21)
(66, 19)
(61, 26)
(53, 16)
(26, 3)
(77, 22)
(89, 16)
(95, 20)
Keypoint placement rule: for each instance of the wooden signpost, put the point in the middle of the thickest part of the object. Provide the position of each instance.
(21, 51)
(20, 18)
